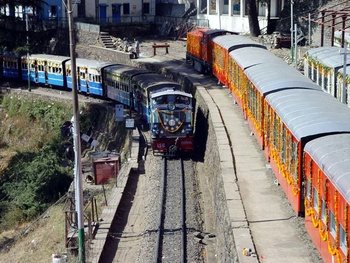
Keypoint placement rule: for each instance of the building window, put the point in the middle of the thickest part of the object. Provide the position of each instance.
(145, 8)
(236, 4)
(53, 12)
(126, 9)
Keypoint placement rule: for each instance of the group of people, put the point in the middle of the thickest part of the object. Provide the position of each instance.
(132, 49)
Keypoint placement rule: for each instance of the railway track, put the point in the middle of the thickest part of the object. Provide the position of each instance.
(171, 235)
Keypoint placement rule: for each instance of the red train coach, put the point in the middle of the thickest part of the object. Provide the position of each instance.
(326, 165)
(261, 82)
(293, 117)
(199, 48)
(222, 46)
(238, 81)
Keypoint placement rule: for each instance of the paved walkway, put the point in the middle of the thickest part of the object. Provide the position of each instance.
(261, 217)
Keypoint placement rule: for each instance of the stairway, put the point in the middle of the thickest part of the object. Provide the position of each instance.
(107, 40)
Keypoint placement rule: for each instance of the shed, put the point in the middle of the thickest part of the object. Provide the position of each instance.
(106, 165)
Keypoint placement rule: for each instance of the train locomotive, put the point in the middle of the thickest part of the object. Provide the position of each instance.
(161, 103)
(303, 132)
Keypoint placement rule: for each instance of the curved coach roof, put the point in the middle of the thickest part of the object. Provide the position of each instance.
(126, 70)
(47, 57)
(90, 63)
(231, 42)
(332, 57)
(332, 155)
(257, 55)
(309, 112)
(152, 80)
(279, 76)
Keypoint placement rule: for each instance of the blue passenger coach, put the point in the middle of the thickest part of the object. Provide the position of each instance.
(89, 76)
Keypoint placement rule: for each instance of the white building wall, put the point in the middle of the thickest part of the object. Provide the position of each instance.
(90, 9)
(231, 19)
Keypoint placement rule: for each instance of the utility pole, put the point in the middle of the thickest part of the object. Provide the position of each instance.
(344, 93)
(76, 139)
(28, 62)
(291, 30)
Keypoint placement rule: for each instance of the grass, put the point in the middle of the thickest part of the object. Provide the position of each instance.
(37, 241)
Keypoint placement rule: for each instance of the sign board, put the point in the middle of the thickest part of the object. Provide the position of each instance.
(130, 123)
(119, 112)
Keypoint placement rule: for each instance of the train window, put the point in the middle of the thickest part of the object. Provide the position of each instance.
(326, 83)
(332, 224)
(314, 75)
(342, 239)
(284, 144)
(308, 189)
(320, 77)
(182, 100)
(159, 100)
(315, 197)
(294, 161)
(323, 211)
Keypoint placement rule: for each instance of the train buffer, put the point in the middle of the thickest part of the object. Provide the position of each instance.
(165, 45)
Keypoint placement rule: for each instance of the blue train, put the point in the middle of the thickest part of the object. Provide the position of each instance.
(161, 102)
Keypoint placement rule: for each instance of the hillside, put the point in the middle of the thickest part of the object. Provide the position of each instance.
(37, 240)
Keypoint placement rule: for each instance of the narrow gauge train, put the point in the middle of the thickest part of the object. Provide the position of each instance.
(325, 66)
(162, 104)
(304, 134)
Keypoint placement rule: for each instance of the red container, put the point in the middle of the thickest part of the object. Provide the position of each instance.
(105, 166)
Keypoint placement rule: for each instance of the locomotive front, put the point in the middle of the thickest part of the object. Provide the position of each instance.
(171, 122)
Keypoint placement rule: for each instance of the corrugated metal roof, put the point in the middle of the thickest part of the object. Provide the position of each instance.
(279, 76)
(256, 56)
(231, 42)
(332, 57)
(332, 155)
(309, 112)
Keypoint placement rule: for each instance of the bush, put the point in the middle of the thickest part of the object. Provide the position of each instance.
(35, 180)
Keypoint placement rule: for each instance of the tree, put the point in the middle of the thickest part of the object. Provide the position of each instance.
(254, 27)
(13, 27)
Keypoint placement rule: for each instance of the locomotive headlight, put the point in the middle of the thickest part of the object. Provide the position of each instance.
(172, 122)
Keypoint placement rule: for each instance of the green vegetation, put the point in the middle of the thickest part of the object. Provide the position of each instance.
(33, 177)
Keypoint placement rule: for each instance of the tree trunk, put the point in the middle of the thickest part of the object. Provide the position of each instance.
(253, 18)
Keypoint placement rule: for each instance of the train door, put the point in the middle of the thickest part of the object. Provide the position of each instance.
(33, 70)
(81, 79)
(204, 47)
